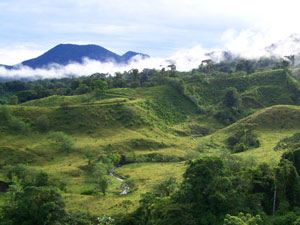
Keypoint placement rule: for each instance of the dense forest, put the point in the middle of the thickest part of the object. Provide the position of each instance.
(216, 145)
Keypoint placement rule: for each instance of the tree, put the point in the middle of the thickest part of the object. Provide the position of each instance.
(287, 182)
(103, 185)
(291, 58)
(115, 158)
(207, 66)
(118, 81)
(82, 89)
(212, 190)
(284, 64)
(90, 155)
(294, 157)
(134, 77)
(245, 65)
(75, 84)
(26, 95)
(232, 98)
(99, 170)
(243, 219)
(100, 87)
(34, 205)
(297, 222)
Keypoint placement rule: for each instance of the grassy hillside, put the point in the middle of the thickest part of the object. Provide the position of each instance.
(269, 126)
(143, 121)
(153, 130)
(258, 90)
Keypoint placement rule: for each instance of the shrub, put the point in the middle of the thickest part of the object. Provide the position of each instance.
(153, 157)
(191, 155)
(103, 185)
(63, 141)
(242, 141)
(14, 100)
(6, 112)
(231, 98)
(43, 123)
(29, 177)
(64, 105)
(166, 187)
(243, 219)
(19, 125)
(131, 183)
(291, 143)
(115, 158)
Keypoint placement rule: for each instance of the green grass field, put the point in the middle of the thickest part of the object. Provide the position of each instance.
(144, 121)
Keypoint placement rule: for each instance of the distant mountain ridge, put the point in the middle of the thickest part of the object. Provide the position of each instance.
(64, 54)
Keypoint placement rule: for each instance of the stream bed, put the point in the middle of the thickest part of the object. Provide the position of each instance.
(126, 188)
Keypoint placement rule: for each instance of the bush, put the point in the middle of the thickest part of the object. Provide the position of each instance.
(19, 125)
(232, 98)
(42, 123)
(131, 183)
(243, 219)
(14, 100)
(63, 141)
(191, 155)
(30, 177)
(6, 112)
(242, 141)
(115, 158)
(166, 187)
(153, 157)
(65, 105)
(291, 143)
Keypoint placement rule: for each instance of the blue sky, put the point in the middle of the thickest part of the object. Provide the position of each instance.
(159, 28)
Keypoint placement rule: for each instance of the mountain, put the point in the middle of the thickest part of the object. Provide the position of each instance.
(64, 54)
(6, 67)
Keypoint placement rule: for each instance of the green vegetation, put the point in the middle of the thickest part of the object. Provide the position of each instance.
(209, 146)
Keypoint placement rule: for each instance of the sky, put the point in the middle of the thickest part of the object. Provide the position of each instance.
(160, 28)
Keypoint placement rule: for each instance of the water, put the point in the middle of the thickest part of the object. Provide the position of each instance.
(126, 188)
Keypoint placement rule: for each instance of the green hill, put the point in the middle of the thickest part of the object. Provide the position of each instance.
(257, 90)
(151, 131)
(140, 121)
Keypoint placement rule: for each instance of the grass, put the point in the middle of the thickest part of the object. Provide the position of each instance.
(112, 202)
(143, 120)
(124, 120)
(270, 125)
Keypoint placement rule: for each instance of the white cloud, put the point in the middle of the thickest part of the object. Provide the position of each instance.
(248, 43)
(184, 59)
